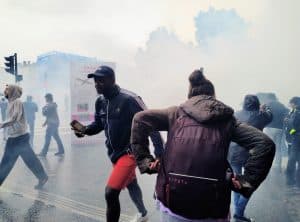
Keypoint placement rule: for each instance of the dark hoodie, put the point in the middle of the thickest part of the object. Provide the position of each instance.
(252, 115)
(50, 112)
(206, 110)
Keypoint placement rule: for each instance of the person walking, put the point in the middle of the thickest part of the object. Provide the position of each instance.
(52, 123)
(17, 143)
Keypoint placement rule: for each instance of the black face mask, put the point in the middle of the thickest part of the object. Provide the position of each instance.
(6, 96)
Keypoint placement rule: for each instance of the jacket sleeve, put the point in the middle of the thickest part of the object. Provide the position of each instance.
(96, 126)
(137, 105)
(261, 154)
(15, 115)
(143, 124)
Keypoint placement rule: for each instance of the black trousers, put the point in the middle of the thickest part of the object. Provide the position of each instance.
(293, 171)
(16, 147)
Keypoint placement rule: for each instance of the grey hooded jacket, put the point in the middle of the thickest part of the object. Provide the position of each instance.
(15, 124)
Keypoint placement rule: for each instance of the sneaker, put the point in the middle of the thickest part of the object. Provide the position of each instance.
(140, 218)
(242, 219)
(41, 183)
(59, 153)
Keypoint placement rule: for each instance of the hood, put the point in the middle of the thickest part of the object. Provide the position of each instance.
(206, 109)
(14, 92)
(251, 103)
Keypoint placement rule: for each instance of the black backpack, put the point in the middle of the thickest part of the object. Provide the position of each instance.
(193, 179)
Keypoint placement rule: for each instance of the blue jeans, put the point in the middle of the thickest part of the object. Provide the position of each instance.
(240, 202)
(14, 148)
(52, 131)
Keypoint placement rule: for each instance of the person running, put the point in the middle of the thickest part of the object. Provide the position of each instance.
(194, 179)
(52, 123)
(17, 143)
(258, 116)
(115, 109)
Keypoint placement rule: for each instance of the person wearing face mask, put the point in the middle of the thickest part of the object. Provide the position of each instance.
(17, 136)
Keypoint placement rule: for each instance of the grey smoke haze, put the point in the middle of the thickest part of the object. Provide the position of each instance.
(242, 52)
(260, 56)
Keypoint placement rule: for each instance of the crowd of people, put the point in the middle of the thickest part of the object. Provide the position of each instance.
(210, 152)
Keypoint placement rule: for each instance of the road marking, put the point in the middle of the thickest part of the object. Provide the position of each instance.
(61, 202)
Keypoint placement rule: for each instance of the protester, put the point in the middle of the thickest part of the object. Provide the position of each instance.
(194, 178)
(115, 109)
(275, 128)
(30, 109)
(18, 139)
(3, 107)
(52, 123)
(293, 138)
(257, 116)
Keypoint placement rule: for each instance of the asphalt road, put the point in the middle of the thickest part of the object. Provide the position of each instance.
(75, 190)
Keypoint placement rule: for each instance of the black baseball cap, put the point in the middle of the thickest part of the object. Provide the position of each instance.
(102, 71)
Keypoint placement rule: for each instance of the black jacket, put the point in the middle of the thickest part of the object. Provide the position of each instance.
(279, 113)
(114, 114)
(258, 119)
(292, 128)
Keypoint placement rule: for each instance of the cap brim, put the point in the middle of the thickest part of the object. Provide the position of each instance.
(92, 75)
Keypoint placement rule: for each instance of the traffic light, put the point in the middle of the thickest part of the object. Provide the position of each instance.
(12, 67)
(10, 64)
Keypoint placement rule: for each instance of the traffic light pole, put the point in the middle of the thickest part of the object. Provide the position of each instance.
(16, 67)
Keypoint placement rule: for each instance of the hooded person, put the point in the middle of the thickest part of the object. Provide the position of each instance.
(194, 179)
(292, 132)
(255, 115)
(52, 123)
(17, 136)
(275, 128)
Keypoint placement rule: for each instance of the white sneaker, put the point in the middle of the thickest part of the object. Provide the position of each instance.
(139, 218)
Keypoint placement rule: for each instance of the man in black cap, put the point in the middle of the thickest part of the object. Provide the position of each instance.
(52, 123)
(115, 109)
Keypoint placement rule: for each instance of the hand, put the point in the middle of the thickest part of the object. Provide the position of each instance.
(78, 133)
(154, 166)
(236, 183)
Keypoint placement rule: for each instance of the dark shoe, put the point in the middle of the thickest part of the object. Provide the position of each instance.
(242, 219)
(59, 153)
(41, 155)
(41, 183)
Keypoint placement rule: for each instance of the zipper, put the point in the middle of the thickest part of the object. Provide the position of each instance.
(194, 177)
(108, 125)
